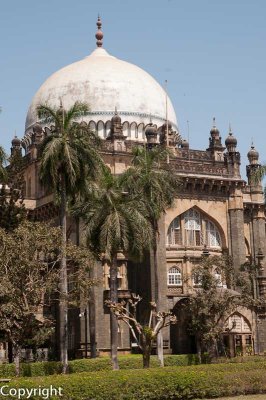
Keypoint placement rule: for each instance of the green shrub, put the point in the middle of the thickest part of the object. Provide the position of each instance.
(104, 364)
(170, 383)
(93, 365)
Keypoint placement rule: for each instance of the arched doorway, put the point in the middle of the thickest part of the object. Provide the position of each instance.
(181, 342)
(238, 339)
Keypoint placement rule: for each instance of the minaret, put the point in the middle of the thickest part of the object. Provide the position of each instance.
(253, 158)
(257, 217)
(15, 146)
(215, 143)
(116, 133)
(232, 157)
(235, 203)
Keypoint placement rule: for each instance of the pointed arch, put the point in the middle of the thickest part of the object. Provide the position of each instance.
(237, 323)
(194, 227)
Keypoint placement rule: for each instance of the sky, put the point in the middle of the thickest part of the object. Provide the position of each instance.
(211, 52)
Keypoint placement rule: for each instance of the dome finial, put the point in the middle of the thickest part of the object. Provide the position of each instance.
(99, 34)
(213, 122)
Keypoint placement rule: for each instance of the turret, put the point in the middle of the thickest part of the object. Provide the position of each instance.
(151, 135)
(116, 133)
(15, 146)
(232, 157)
(253, 158)
(215, 143)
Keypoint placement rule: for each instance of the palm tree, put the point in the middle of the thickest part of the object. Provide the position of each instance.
(115, 222)
(68, 156)
(152, 178)
(3, 158)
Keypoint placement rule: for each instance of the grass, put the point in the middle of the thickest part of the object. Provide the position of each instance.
(243, 397)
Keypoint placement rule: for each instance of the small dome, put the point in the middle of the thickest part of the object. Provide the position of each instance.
(37, 128)
(164, 127)
(184, 144)
(116, 119)
(214, 130)
(230, 140)
(253, 153)
(15, 141)
(151, 130)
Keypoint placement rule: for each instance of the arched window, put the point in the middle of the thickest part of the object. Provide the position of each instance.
(193, 228)
(174, 236)
(174, 277)
(92, 126)
(213, 238)
(126, 130)
(107, 129)
(197, 279)
(141, 131)
(134, 130)
(100, 129)
(218, 277)
(237, 323)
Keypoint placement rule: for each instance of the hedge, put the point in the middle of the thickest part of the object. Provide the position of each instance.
(169, 383)
(93, 365)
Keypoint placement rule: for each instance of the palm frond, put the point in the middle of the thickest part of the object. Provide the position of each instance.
(258, 175)
(47, 114)
(77, 111)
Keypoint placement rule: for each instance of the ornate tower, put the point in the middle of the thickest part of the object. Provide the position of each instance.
(215, 143)
(232, 157)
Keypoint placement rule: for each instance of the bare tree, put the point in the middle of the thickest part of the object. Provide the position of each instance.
(143, 334)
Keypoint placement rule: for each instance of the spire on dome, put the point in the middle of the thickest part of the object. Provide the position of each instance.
(230, 141)
(99, 33)
(253, 155)
(214, 132)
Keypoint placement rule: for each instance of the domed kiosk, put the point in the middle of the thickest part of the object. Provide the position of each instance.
(105, 82)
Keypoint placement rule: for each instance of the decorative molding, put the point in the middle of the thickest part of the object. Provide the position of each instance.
(173, 291)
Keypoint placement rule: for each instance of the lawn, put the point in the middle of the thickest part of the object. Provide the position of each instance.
(247, 397)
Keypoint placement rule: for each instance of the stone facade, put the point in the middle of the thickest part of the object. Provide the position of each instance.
(216, 210)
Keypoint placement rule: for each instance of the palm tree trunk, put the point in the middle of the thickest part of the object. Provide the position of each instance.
(199, 348)
(63, 309)
(92, 318)
(16, 356)
(159, 338)
(113, 320)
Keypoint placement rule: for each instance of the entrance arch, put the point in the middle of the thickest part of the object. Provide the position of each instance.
(181, 342)
(238, 339)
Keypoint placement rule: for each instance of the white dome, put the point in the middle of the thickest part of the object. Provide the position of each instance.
(105, 83)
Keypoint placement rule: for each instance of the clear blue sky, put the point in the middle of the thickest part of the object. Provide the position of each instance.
(212, 52)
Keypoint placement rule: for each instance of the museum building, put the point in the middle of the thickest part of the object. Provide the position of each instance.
(217, 212)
